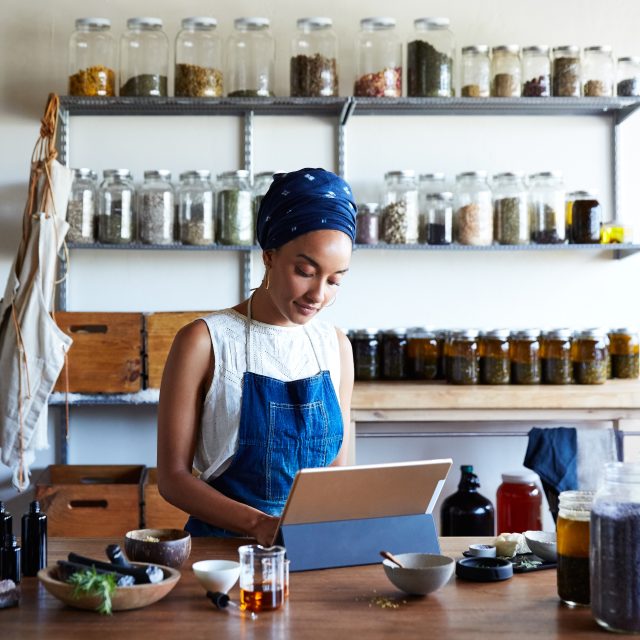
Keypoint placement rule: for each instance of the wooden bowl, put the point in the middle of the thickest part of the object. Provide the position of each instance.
(123, 598)
(172, 548)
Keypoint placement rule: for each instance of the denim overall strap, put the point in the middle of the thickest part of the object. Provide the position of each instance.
(285, 426)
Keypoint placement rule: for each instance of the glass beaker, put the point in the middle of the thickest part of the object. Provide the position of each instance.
(262, 577)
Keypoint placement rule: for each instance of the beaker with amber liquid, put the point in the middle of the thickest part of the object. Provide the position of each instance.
(262, 577)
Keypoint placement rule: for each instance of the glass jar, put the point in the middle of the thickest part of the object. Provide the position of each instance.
(547, 207)
(614, 549)
(506, 75)
(566, 72)
(598, 72)
(430, 59)
(250, 59)
(524, 352)
(422, 354)
(394, 354)
(261, 183)
(379, 59)
(92, 58)
(314, 59)
(572, 543)
(586, 218)
(475, 72)
(493, 349)
(234, 208)
(590, 355)
(116, 218)
(555, 357)
(628, 76)
(198, 71)
(624, 352)
(473, 220)
(463, 365)
(519, 503)
(144, 58)
(82, 207)
(510, 209)
(366, 354)
(428, 183)
(195, 208)
(536, 72)
(368, 223)
(442, 339)
(568, 209)
(439, 218)
(400, 218)
(156, 208)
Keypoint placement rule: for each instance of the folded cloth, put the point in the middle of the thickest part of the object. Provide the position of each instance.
(552, 454)
(596, 447)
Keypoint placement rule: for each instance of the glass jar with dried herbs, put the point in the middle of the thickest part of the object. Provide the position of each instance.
(234, 208)
(250, 59)
(422, 354)
(314, 59)
(156, 208)
(590, 356)
(473, 219)
(400, 217)
(198, 70)
(536, 72)
(475, 72)
(628, 76)
(439, 218)
(92, 58)
(586, 218)
(555, 356)
(261, 183)
(430, 59)
(144, 58)
(524, 353)
(598, 72)
(463, 363)
(116, 216)
(82, 209)
(368, 223)
(493, 350)
(366, 354)
(566, 71)
(510, 208)
(624, 352)
(394, 354)
(506, 75)
(379, 59)
(195, 207)
(547, 207)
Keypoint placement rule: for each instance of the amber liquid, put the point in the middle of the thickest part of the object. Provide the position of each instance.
(573, 561)
(261, 599)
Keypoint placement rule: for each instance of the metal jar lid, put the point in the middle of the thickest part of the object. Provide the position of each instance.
(567, 49)
(365, 333)
(420, 332)
(93, 23)
(437, 176)
(604, 48)
(238, 173)
(251, 24)
(431, 23)
(525, 334)
(398, 331)
(157, 174)
(541, 49)
(557, 334)
(631, 59)
(623, 331)
(464, 334)
(509, 175)
(403, 173)
(144, 22)
(546, 174)
(314, 23)
(507, 48)
(481, 174)
(199, 22)
(593, 333)
(497, 334)
(196, 174)
(476, 49)
(439, 196)
(370, 208)
(377, 22)
(120, 173)
(83, 172)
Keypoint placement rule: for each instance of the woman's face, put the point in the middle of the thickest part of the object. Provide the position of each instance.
(305, 274)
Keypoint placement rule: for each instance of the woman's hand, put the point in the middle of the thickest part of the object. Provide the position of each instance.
(265, 529)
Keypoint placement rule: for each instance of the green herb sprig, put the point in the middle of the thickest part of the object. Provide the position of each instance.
(90, 582)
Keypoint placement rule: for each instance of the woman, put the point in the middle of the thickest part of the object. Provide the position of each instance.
(252, 394)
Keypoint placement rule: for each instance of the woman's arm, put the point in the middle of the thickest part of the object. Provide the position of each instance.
(344, 394)
(185, 382)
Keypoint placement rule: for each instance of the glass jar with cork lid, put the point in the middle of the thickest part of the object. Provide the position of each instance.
(475, 72)
(92, 58)
(506, 75)
(379, 59)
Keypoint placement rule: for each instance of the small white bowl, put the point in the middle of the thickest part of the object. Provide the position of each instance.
(423, 573)
(542, 544)
(217, 575)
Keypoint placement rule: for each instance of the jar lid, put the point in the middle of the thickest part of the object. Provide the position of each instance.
(238, 173)
(519, 477)
(163, 174)
(506, 48)
(398, 331)
(439, 195)
(314, 23)
(420, 332)
(365, 333)
(476, 48)
(633, 59)
(501, 334)
(525, 334)
(94, 174)
(403, 173)
(431, 23)
(369, 207)
(604, 48)
(378, 22)
(438, 175)
(251, 23)
(557, 334)
(510, 175)
(121, 173)
(83, 172)
(573, 195)
(546, 174)
(537, 48)
(623, 331)
(471, 174)
(593, 333)
(199, 22)
(144, 23)
(100, 23)
(464, 334)
(567, 48)
(198, 174)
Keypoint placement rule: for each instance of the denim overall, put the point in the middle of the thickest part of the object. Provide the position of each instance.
(285, 426)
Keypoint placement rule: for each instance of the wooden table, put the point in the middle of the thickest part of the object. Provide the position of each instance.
(328, 604)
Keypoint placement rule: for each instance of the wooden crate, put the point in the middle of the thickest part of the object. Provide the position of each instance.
(161, 329)
(88, 501)
(106, 355)
(157, 513)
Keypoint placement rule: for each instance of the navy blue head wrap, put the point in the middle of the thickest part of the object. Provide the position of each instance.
(302, 201)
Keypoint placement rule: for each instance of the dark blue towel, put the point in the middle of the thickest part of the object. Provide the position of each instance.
(553, 455)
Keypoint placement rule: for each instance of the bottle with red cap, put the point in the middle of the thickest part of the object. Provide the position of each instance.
(519, 503)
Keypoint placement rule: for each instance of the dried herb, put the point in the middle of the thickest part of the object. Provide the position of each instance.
(629, 87)
(471, 91)
(81, 218)
(595, 89)
(536, 87)
(145, 84)
(235, 213)
(474, 224)
(367, 227)
(544, 225)
(93, 81)
(195, 81)
(437, 234)
(463, 369)
(252, 93)
(594, 372)
(429, 72)
(505, 85)
(511, 220)
(386, 83)
(625, 366)
(556, 370)
(525, 372)
(397, 223)
(566, 77)
(156, 217)
(90, 582)
(495, 370)
(313, 76)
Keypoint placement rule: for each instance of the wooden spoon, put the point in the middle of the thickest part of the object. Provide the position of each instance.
(389, 556)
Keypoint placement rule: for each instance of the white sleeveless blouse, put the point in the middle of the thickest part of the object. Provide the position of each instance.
(284, 353)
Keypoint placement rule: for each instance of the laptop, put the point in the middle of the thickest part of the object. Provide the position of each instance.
(343, 516)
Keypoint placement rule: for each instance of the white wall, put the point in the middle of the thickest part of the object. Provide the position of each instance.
(452, 289)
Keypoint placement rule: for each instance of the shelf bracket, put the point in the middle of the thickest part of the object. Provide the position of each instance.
(248, 142)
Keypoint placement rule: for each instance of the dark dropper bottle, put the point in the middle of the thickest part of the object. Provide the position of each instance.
(34, 540)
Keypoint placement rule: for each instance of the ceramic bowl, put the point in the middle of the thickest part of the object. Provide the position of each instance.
(543, 544)
(167, 547)
(423, 572)
(217, 575)
(123, 598)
